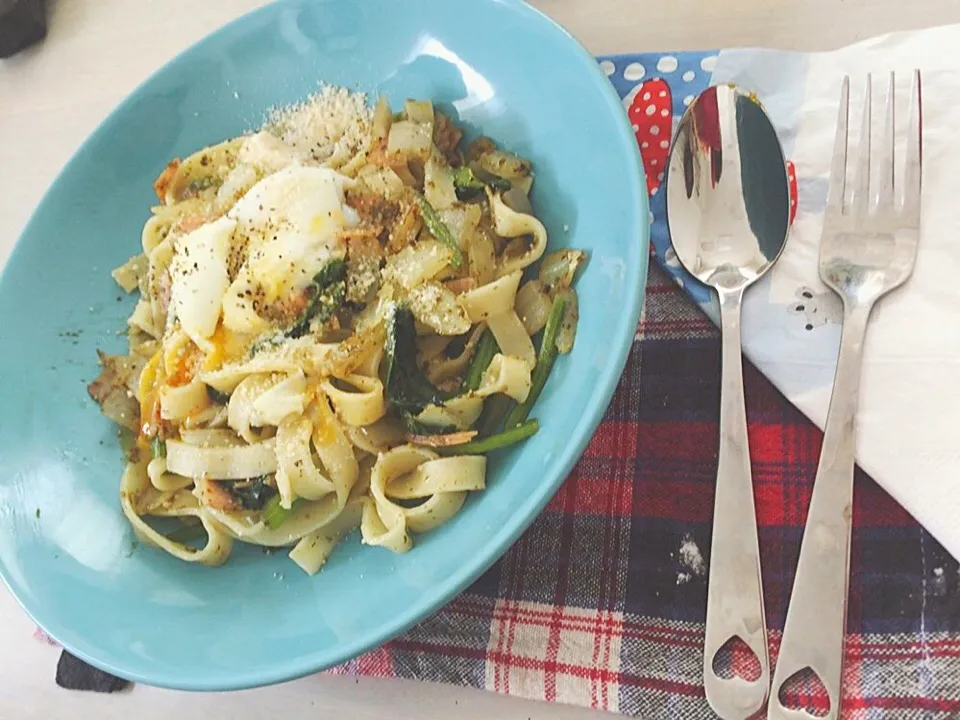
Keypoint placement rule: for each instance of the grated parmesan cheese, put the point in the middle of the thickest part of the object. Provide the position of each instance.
(332, 125)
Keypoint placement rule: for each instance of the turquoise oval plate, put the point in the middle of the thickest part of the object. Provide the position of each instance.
(65, 549)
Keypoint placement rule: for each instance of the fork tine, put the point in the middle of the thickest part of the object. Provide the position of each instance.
(861, 181)
(884, 194)
(838, 166)
(910, 198)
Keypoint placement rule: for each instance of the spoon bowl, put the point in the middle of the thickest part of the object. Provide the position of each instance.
(728, 204)
(728, 209)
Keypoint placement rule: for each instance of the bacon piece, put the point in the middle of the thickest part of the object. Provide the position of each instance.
(363, 243)
(405, 230)
(216, 496)
(162, 183)
(447, 440)
(447, 136)
(461, 285)
(373, 209)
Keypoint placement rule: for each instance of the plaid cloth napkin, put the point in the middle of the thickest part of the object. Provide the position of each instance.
(601, 603)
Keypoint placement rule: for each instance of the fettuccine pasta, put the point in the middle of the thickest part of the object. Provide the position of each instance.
(332, 330)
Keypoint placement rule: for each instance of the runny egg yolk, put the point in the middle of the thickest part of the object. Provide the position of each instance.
(226, 346)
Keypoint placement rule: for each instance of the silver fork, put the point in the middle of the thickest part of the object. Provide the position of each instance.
(868, 248)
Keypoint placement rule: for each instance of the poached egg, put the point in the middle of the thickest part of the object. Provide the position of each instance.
(276, 238)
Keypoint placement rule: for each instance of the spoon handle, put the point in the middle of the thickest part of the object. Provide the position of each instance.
(735, 594)
(817, 614)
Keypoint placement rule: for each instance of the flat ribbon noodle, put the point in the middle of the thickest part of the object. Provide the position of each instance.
(494, 298)
(337, 456)
(164, 481)
(371, 355)
(460, 473)
(210, 437)
(307, 517)
(214, 416)
(507, 375)
(445, 485)
(512, 337)
(494, 303)
(135, 484)
(179, 402)
(312, 550)
(265, 399)
(383, 435)
(460, 412)
(333, 447)
(299, 474)
(510, 224)
(363, 405)
(237, 462)
(302, 355)
(164, 219)
(287, 397)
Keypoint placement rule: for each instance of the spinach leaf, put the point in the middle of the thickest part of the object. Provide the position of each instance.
(327, 292)
(252, 494)
(415, 427)
(407, 388)
(220, 398)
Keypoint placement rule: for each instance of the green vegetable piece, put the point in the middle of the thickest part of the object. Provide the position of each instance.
(275, 515)
(220, 398)
(499, 441)
(330, 273)
(407, 389)
(438, 228)
(265, 343)
(495, 408)
(486, 349)
(545, 359)
(465, 178)
(158, 448)
(328, 290)
(252, 494)
(415, 427)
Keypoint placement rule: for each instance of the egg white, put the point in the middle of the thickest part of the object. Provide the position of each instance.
(199, 277)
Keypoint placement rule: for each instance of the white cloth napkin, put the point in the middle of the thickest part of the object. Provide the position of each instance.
(908, 432)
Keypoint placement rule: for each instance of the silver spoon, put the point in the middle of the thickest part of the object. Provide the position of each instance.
(728, 207)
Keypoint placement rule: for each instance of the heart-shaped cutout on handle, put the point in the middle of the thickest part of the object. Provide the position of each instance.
(804, 691)
(736, 659)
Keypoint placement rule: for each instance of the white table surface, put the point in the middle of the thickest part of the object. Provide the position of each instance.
(96, 52)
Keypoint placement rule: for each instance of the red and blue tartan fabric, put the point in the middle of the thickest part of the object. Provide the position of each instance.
(602, 601)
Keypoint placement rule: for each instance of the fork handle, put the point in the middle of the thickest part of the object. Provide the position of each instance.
(816, 618)
(735, 593)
